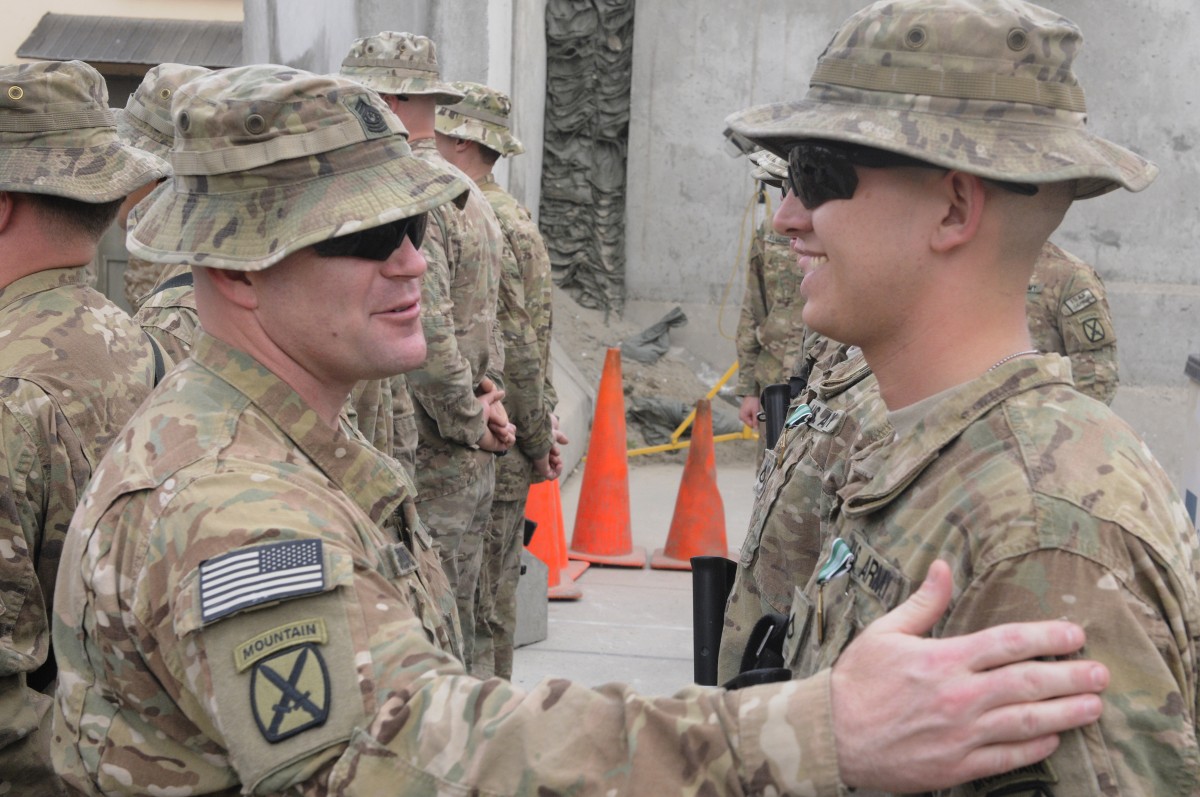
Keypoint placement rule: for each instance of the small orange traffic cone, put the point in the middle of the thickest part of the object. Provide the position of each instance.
(603, 533)
(544, 507)
(698, 525)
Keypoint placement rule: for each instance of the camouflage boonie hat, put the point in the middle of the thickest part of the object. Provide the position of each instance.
(398, 63)
(58, 136)
(146, 121)
(482, 117)
(270, 159)
(981, 86)
(768, 168)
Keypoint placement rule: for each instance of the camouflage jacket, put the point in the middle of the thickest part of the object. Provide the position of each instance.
(140, 278)
(169, 315)
(770, 334)
(163, 668)
(73, 368)
(524, 317)
(840, 412)
(463, 251)
(1046, 505)
(183, 673)
(1068, 314)
(404, 426)
(369, 410)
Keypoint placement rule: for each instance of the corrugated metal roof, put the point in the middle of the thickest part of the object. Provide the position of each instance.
(126, 40)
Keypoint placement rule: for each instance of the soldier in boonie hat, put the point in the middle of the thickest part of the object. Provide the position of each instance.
(146, 123)
(481, 116)
(59, 136)
(984, 86)
(268, 160)
(398, 63)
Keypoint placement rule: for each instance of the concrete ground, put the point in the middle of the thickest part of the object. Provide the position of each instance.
(633, 626)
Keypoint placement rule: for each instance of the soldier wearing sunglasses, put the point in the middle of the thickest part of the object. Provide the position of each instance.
(940, 144)
(250, 604)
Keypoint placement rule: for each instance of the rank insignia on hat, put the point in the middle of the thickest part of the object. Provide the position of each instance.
(289, 692)
(251, 576)
(370, 117)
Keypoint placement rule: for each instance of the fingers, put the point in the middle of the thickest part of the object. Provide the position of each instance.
(1034, 681)
(1004, 644)
(994, 760)
(923, 609)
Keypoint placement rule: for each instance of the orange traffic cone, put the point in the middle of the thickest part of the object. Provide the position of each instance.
(603, 533)
(544, 507)
(698, 526)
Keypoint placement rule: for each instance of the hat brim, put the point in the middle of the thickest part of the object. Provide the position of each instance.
(995, 148)
(254, 228)
(101, 173)
(384, 83)
(134, 136)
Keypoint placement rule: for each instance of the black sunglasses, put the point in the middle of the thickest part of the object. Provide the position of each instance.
(375, 243)
(819, 171)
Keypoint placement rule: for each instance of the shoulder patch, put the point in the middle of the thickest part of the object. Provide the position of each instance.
(1094, 331)
(1085, 298)
(289, 692)
(265, 573)
(284, 636)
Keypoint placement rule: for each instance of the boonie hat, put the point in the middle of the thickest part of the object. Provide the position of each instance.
(981, 86)
(269, 159)
(768, 168)
(58, 136)
(398, 63)
(482, 116)
(146, 121)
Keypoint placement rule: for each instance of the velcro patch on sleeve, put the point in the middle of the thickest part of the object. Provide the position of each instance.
(269, 642)
(264, 573)
(1080, 301)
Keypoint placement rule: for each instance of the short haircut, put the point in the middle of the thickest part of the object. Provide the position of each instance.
(72, 216)
(489, 155)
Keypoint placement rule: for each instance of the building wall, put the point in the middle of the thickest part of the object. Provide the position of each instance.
(695, 63)
(20, 18)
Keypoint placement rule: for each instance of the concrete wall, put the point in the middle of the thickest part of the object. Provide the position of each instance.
(696, 62)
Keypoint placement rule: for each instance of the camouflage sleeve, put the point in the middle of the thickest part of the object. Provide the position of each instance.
(404, 425)
(174, 327)
(525, 381)
(1145, 741)
(35, 495)
(1088, 335)
(754, 311)
(444, 385)
(371, 401)
(343, 690)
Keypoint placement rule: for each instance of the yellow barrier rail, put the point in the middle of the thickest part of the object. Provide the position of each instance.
(676, 444)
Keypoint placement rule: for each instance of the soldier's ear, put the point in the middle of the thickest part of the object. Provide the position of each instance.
(234, 287)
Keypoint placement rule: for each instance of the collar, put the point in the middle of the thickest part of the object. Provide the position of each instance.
(886, 470)
(370, 479)
(39, 282)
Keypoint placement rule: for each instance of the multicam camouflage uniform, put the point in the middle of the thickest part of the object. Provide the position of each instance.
(1041, 515)
(463, 251)
(168, 312)
(1068, 315)
(524, 318)
(770, 333)
(73, 368)
(347, 686)
(839, 412)
(146, 123)
(1043, 502)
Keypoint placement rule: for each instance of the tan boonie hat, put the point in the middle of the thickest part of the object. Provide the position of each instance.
(146, 121)
(270, 159)
(768, 168)
(398, 63)
(482, 117)
(981, 86)
(58, 136)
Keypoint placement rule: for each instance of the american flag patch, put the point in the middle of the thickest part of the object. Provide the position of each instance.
(258, 575)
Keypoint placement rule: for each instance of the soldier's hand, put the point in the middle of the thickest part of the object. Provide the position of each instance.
(748, 412)
(913, 714)
(544, 466)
